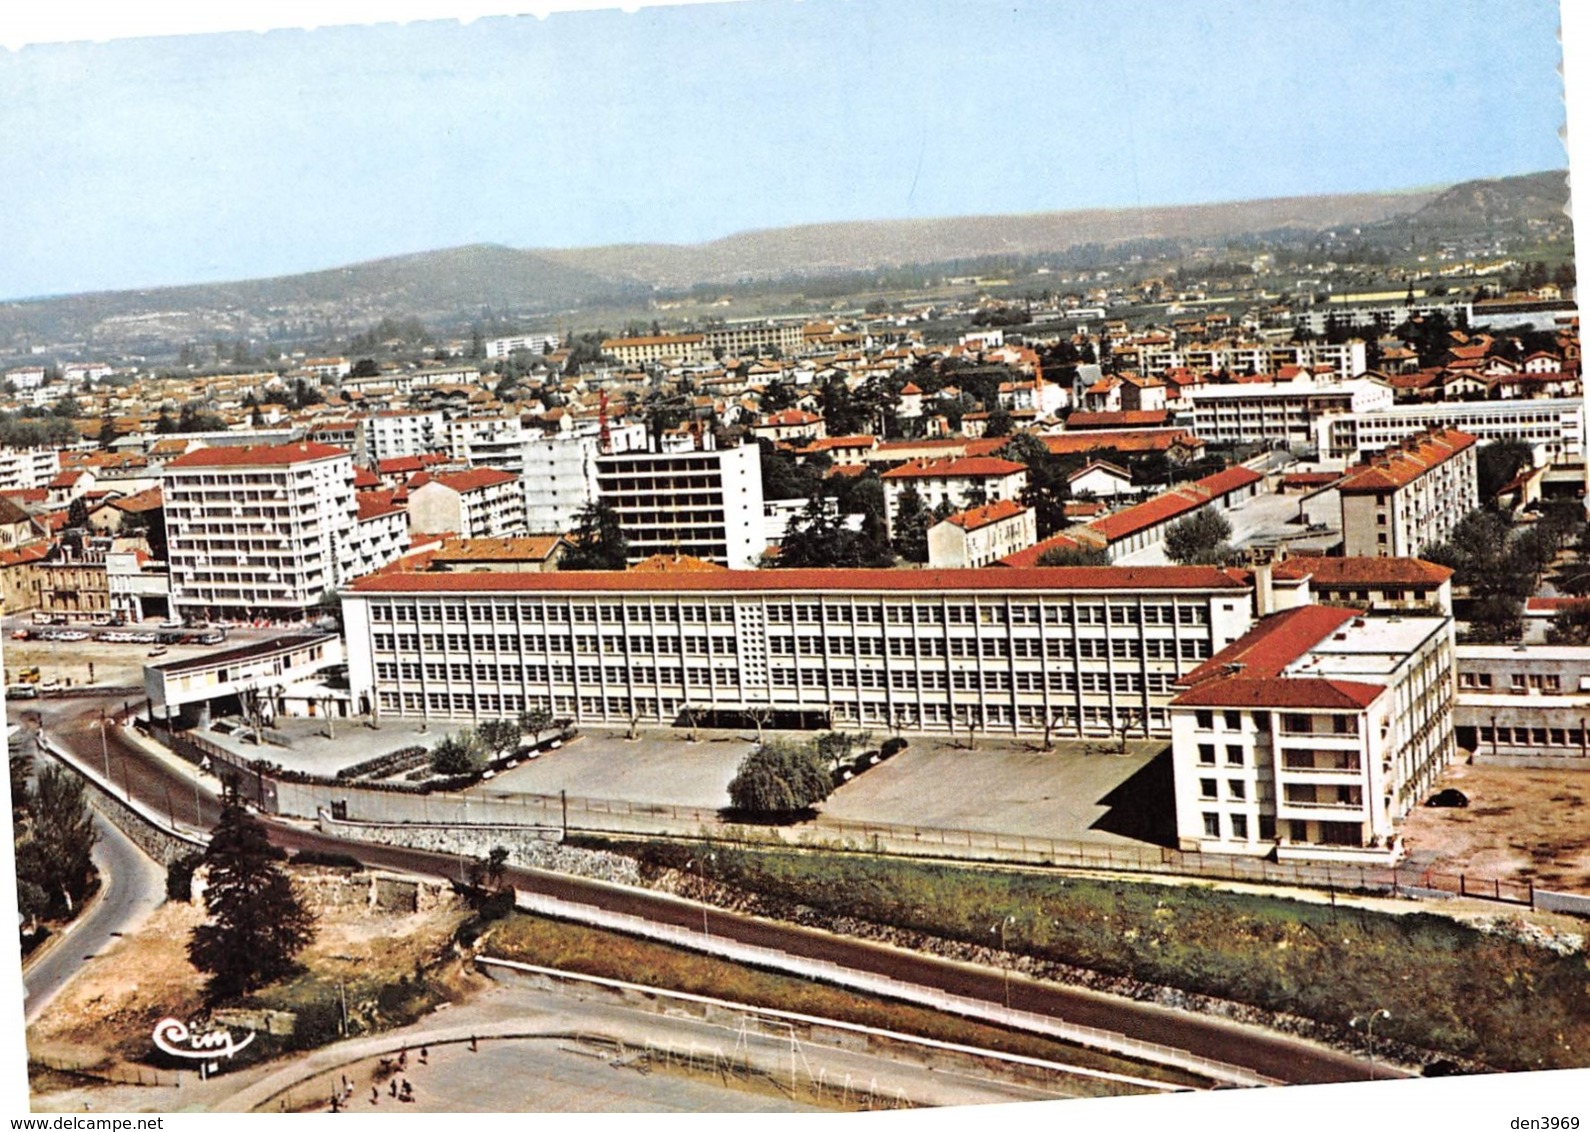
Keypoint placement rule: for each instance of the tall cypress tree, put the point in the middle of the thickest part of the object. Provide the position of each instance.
(258, 925)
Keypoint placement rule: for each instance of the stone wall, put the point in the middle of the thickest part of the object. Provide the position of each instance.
(536, 847)
(383, 892)
(142, 828)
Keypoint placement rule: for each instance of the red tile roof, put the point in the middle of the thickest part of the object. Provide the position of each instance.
(474, 479)
(994, 580)
(373, 504)
(1364, 572)
(1272, 644)
(1401, 466)
(956, 468)
(1281, 693)
(257, 456)
(979, 517)
(1120, 440)
(1124, 418)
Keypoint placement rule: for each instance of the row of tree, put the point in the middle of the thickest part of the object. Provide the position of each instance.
(466, 751)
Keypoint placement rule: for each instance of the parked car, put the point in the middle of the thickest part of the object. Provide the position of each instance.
(22, 692)
(158, 650)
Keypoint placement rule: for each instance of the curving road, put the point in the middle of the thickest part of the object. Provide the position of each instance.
(1268, 1053)
(131, 887)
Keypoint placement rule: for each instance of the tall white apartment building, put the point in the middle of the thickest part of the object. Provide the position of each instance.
(1410, 496)
(1293, 413)
(404, 433)
(268, 531)
(1086, 650)
(28, 467)
(559, 474)
(1313, 735)
(705, 503)
(488, 442)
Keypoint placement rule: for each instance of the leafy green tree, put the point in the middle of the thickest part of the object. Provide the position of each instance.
(835, 747)
(598, 541)
(1199, 539)
(1047, 489)
(1074, 556)
(1000, 422)
(77, 513)
(1570, 625)
(257, 922)
(456, 754)
(54, 852)
(1498, 462)
(780, 777)
(500, 736)
(911, 525)
(818, 539)
(535, 721)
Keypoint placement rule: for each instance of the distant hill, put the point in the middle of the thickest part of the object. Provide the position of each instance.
(455, 285)
(820, 248)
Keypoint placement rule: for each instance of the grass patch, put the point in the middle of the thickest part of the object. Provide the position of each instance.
(592, 951)
(1451, 988)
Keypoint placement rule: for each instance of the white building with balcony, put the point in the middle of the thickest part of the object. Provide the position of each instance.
(1313, 735)
(703, 503)
(266, 531)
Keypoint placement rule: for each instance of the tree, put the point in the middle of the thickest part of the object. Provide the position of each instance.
(1498, 462)
(1199, 539)
(598, 541)
(55, 853)
(1074, 556)
(456, 754)
(834, 747)
(780, 778)
(500, 736)
(1570, 625)
(257, 923)
(999, 423)
(818, 539)
(1047, 488)
(77, 513)
(911, 525)
(107, 433)
(535, 721)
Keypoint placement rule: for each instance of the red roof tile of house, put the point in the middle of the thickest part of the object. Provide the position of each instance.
(990, 579)
(965, 467)
(976, 518)
(373, 504)
(1120, 440)
(1272, 644)
(474, 479)
(1402, 465)
(1124, 418)
(149, 500)
(257, 456)
(1362, 572)
(1281, 693)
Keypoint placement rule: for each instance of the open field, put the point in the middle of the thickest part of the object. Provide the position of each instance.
(1520, 824)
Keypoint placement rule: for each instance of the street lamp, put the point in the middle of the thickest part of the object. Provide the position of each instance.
(699, 864)
(1368, 1021)
(1004, 955)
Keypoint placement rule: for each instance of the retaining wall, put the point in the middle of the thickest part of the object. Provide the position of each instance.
(157, 840)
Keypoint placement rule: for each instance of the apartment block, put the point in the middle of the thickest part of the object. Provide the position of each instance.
(268, 530)
(1292, 413)
(1410, 496)
(657, 348)
(23, 468)
(967, 481)
(1313, 735)
(560, 475)
(1554, 425)
(981, 536)
(475, 503)
(1089, 651)
(388, 436)
(703, 503)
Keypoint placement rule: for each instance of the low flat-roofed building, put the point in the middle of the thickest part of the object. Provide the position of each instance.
(1525, 705)
(217, 683)
(1313, 735)
(526, 554)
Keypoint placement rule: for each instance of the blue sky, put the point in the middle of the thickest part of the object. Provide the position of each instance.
(198, 158)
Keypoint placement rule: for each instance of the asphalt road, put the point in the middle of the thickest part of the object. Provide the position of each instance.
(131, 887)
(75, 724)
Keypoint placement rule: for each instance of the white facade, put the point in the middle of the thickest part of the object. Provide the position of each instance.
(479, 503)
(535, 343)
(1085, 651)
(1321, 756)
(1280, 412)
(488, 442)
(264, 531)
(1556, 424)
(559, 475)
(390, 435)
(704, 503)
(981, 536)
(28, 467)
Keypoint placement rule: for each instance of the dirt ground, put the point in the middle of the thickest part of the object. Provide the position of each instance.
(1519, 825)
(105, 1016)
